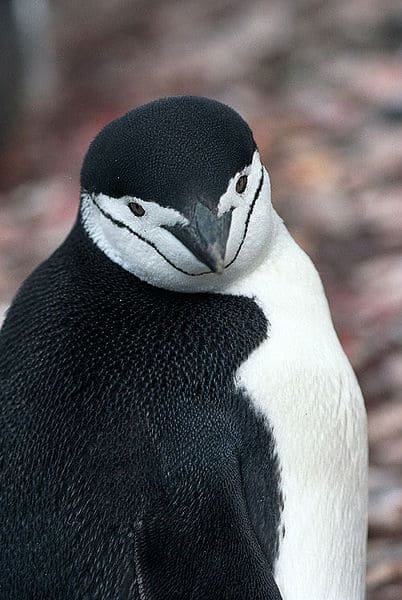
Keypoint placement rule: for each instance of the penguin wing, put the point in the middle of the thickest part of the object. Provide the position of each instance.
(199, 544)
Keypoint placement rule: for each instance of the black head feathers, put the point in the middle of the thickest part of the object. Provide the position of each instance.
(171, 151)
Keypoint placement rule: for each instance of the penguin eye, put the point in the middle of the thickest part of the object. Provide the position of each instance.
(241, 184)
(136, 209)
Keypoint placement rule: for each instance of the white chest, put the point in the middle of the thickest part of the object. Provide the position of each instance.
(300, 379)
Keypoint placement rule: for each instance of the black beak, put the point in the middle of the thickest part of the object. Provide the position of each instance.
(206, 236)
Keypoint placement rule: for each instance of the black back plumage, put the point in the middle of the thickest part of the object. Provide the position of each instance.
(125, 444)
(131, 466)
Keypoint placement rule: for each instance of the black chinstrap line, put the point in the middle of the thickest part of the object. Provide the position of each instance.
(140, 237)
(256, 196)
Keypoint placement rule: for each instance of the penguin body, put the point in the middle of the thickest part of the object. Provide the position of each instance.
(178, 419)
(130, 436)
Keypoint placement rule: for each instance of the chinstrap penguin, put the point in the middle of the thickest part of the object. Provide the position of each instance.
(178, 419)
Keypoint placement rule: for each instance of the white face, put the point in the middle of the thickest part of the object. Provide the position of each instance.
(141, 245)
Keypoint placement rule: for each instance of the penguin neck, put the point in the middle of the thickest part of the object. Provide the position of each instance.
(285, 271)
(285, 279)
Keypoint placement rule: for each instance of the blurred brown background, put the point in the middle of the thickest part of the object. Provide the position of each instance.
(321, 85)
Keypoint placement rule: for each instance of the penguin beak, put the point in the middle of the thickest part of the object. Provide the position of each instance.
(205, 236)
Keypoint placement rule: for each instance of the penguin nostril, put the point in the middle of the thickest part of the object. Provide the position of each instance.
(136, 209)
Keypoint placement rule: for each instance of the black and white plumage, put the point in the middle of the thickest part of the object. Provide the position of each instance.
(178, 419)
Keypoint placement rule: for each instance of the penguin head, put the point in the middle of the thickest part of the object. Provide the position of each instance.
(174, 192)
